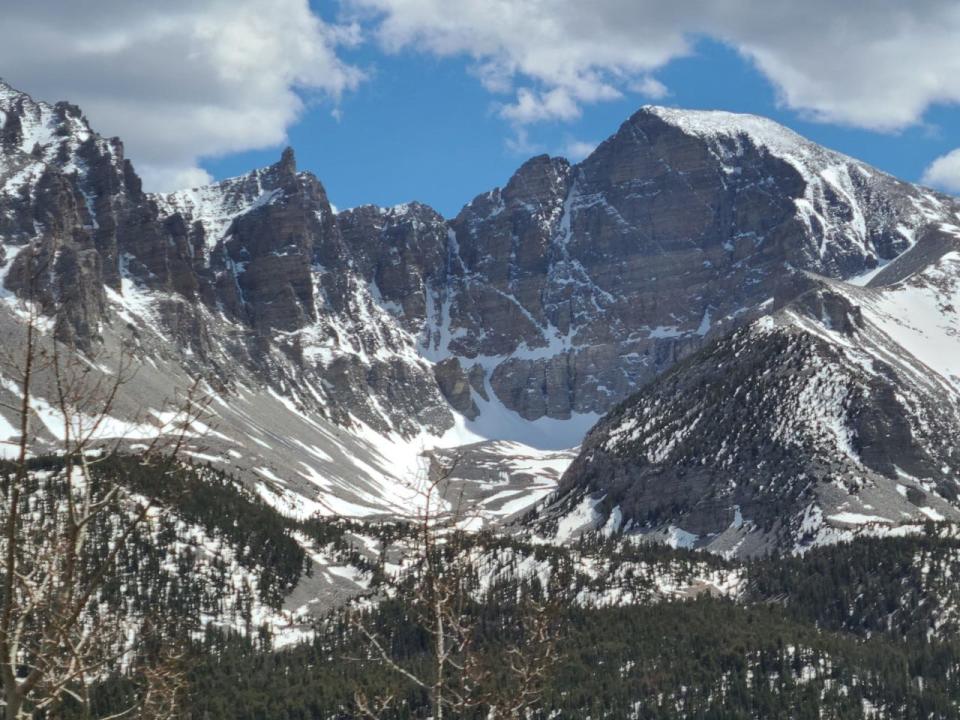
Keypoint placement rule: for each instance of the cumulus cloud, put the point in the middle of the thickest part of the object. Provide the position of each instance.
(165, 177)
(178, 80)
(531, 106)
(876, 64)
(650, 87)
(944, 172)
(577, 150)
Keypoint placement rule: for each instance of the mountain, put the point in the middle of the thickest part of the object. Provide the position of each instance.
(831, 416)
(764, 332)
(337, 346)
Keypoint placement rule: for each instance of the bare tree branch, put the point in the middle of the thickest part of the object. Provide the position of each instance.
(437, 587)
(52, 646)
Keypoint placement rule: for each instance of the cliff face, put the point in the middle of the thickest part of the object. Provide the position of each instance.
(72, 198)
(574, 284)
(553, 296)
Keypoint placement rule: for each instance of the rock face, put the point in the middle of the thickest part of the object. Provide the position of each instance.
(301, 286)
(401, 252)
(835, 412)
(69, 195)
(455, 386)
(573, 284)
(579, 283)
(556, 295)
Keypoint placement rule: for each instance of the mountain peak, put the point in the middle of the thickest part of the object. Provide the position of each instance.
(8, 92)
(711, 124)
(16, 99)
(537, 179)
(288, 160)
(722, 125)
(717, 119)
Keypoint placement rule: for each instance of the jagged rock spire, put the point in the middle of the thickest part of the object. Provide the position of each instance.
(288, 161)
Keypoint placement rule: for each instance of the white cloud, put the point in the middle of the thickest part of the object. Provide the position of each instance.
(164, 177)
(521, 144)
(875, 64)
(186, 79)
(178, 80)
(531, 106)
(944, 172)
(650, 87)
(577, 150)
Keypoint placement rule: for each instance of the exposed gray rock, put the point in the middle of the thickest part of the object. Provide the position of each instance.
(561, 292)
(835, 412)
(402, 252)
(455, 387)
(478, 376)
(676, 228)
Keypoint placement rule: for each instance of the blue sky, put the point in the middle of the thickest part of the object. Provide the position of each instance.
(423, 128)
(393, 100)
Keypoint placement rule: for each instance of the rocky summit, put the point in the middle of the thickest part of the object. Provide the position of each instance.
(700, 257)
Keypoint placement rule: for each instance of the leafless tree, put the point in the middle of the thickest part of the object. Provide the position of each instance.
(440, 598)
(163, 677)
(438, 587)
(527, 664)
(55, 639)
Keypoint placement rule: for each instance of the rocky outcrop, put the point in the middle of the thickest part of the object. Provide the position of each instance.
(832, 413)
(556, 295)
(73, 213)
(677, 228)
(402, 253)
(455, 386)
(267, 256)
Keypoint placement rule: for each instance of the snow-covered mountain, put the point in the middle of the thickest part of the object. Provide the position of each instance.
(337, 347)
(833, 416)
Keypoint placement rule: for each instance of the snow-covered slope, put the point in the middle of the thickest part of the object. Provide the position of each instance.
(337, 348)
(833, 416)
(845, 203)
(215, 207)
(37, 132)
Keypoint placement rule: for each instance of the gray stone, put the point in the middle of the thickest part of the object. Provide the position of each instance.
(455, 387)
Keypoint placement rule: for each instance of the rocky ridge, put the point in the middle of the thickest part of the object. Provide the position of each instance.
(830, 417)
(337, 342)
(559, 293)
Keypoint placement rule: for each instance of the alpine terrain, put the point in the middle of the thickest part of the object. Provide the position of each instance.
(700, 390)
